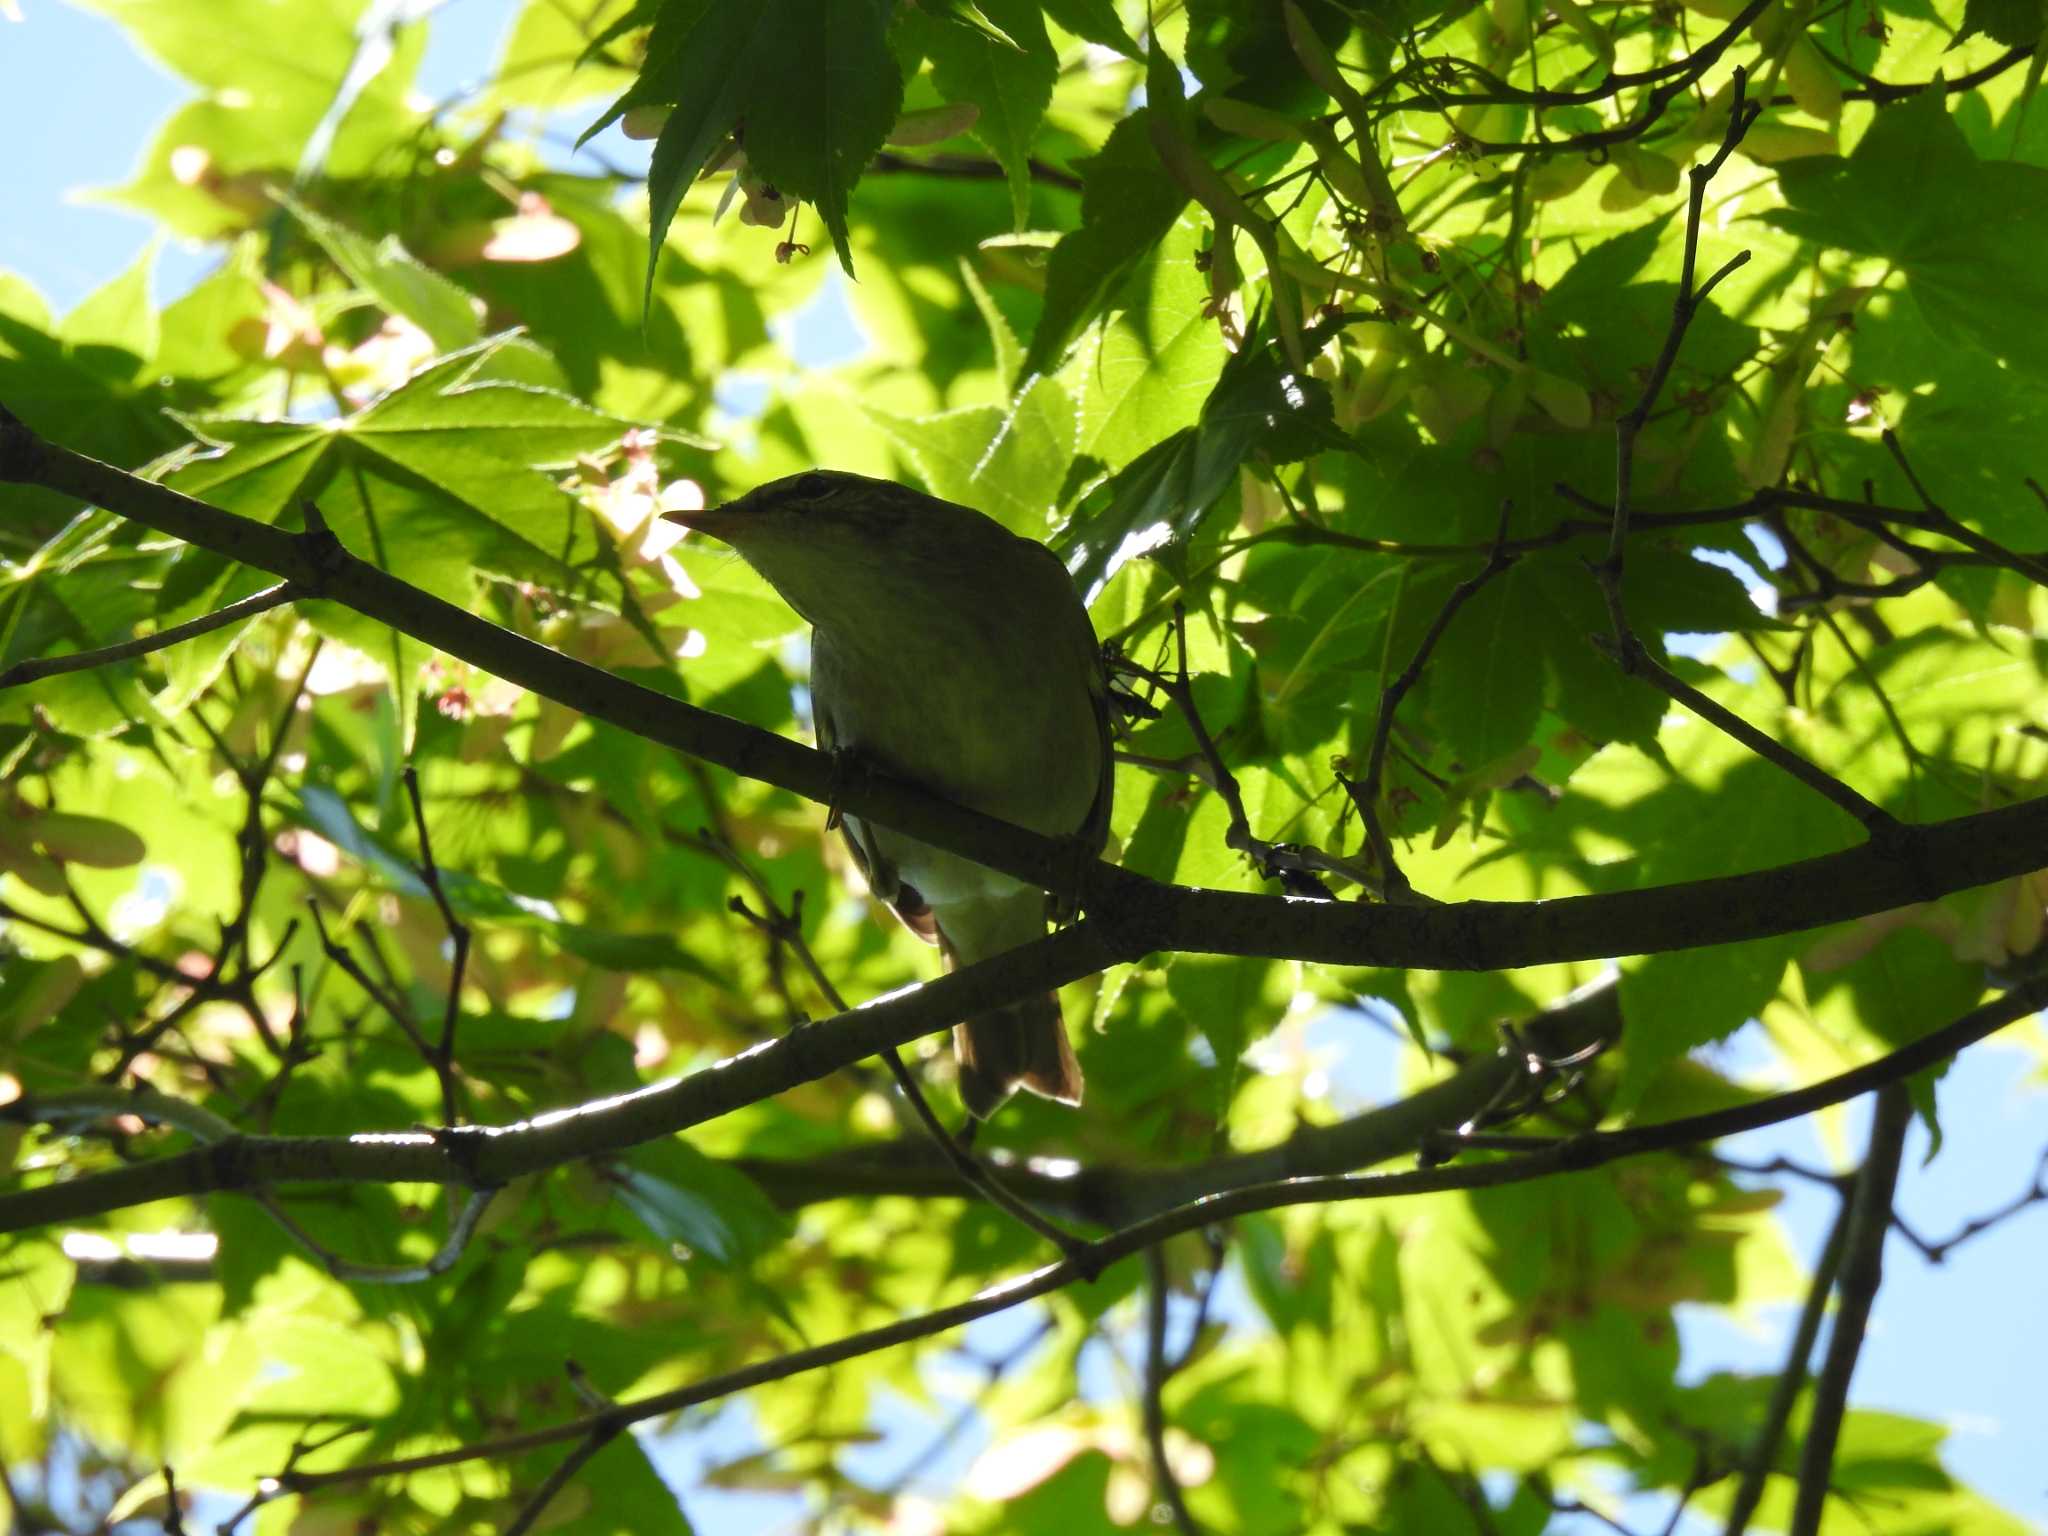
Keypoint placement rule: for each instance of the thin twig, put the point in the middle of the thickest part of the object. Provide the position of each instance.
(1870, 1218)
(298, 1050)
(1915, 758)
(389, 1001)
(1581, 1507)
(38, 667)
(1365, 794)
(1625, 647)
(1684, 307)
(558, 1479)
(301, 1448)
(970, 1412)
(1157, 1369)
(786, 930)
(174, 1510)
(1469, 1493)
(1762, 1456)
(2033, 568)
(460, 1231)
(965, 168)
(442, 1057)
(1635, 660)
(1520, 1092)
(1866, 514)
(1219, 1251)
(1938, 1252)
(1683, 75)
(1295, 867)
(252, 842)
(1705, 1469)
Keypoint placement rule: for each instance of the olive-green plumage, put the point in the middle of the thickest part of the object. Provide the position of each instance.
(950, 652)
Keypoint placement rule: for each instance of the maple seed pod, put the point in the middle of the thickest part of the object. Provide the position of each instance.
(1559, 176)
(929, 125)
(1770, 143)
(1380, 380)
(1563, 401)
(1221, 268)
(1811, 81)
(1251, 122)
(1511, 24)
(1646, 168)
(1621, 193)
(645, 121)
(87, 840)
(31, 868)
(46, 994)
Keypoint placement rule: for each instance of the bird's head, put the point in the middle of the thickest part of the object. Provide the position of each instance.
(826, 538)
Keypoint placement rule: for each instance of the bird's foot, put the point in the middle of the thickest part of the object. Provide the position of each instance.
(846, 767)
(1076, 859)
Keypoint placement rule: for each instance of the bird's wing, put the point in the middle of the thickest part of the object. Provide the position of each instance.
(1095, 829)
(876, 867)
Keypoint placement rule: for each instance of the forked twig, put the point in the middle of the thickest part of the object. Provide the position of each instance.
(442, 1055)
(1624, 646)
(1365, 793)
(784, 929)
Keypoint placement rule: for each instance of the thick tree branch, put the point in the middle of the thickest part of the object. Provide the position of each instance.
(1492, 933)
(1129, 915)
(483, 1157)
(1113, 1195)
(1132, 915)
(1572, 1155)
(1106, 1195)
(1938, 1252)
(1499, 92)
(316, 563)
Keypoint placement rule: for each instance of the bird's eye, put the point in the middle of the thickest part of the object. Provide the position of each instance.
(818, 487)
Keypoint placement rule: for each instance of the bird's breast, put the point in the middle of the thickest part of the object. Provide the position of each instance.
(994, 716)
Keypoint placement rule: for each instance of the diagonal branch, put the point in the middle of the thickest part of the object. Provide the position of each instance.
(1158, 1368)
(1626, 648)
(1366, 794)
(486, 1156)
(1761, 1457)
(316, 563)
(1870, 1219)
(441, 1057)
(38, 667)
(1130, 915)
(784, 928)
(1571, 1155)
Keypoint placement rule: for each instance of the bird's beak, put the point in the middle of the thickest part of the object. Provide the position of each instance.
(712, 520)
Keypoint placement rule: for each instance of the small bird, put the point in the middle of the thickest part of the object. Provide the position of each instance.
(949, 652)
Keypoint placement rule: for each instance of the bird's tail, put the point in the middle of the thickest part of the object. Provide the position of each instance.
(1022, 1045)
